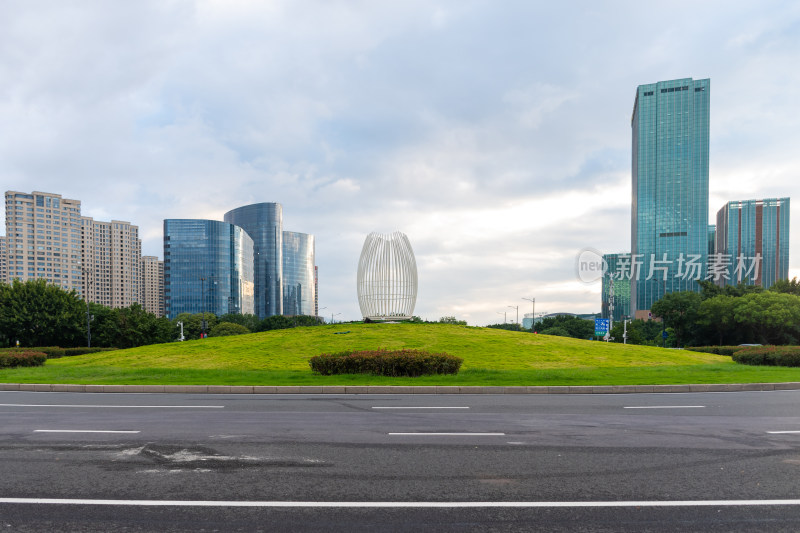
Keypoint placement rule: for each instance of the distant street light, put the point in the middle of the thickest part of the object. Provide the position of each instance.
(504, 315)
(517, 308)
(332, 315)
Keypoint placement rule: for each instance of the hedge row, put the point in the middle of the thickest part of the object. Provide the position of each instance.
(54, 352)
(382, 362)
(10, 359)
(718, 350)
(768, 355)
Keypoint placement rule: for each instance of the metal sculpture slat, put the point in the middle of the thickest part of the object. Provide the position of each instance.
(387, 277)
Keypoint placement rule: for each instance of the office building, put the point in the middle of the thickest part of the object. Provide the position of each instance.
(616, 290)
(3, 260)
(263, 222)
(111, 253)
(669, 215)
(43, 239)
(208, 267)
(752, 242)
(152, 285)
(299, 274)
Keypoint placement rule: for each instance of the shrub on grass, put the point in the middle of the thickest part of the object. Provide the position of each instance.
(382, 362)
(11, 359)
(224, 329)
(718, 350)
(55, 352)
(557, 331)
(769, 356)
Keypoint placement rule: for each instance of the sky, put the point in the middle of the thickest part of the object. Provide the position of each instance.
(495, 134)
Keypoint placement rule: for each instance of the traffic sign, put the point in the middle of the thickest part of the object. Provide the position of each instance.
(601, 326)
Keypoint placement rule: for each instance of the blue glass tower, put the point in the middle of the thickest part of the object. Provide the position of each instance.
(749, 229)
(298, 274)
(669, 215)
(264, 223)
(208, 267)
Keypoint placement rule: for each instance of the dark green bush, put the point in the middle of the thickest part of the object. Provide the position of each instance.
(718, 350)
(224, 329)
(382, 362)
(11, 359)
(55, 352)
(557, 331)
(82, 350)
(768, 355)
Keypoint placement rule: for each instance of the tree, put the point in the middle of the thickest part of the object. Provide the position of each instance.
(251, 322)
(773, 318)
(193, 324)
(787, 287)
(39, 314)
(513, 326)
(557, 331)
(678, 310)
(452, 320)
(718, 315)
(577, 328)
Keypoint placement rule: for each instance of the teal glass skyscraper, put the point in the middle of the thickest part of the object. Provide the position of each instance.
(753, 241)
(616, 291)
(669, 214)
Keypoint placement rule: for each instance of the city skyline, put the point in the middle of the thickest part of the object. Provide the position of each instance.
(496, 137)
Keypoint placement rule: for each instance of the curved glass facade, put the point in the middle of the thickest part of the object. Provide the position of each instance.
(208, 267)
(298, 274)
(264, 224)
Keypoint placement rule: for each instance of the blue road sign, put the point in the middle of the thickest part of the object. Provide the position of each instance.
(601, 326)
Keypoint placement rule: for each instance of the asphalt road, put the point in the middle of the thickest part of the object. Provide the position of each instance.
(172, 462)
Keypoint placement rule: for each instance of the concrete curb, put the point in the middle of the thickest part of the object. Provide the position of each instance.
(391, 389)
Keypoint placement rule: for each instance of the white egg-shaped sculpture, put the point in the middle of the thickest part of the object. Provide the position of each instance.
(387, 277)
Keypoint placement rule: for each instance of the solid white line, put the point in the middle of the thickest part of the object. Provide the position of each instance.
(311, 504)
(420, 407)
(115, 406)
(80, 431)
(666, 407)
(457, 434)
(782, 432)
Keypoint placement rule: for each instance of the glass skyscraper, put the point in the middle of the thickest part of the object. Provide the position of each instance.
(750, 232)
(298, 274)
(264, 223)
(669, 215)
(208, 267)
(622, 288)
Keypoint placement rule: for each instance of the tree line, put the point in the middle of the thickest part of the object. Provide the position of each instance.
(36, 313)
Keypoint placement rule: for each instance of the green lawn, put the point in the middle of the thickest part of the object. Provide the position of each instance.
(491, 357)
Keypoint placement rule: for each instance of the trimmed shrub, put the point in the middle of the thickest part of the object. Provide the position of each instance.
(11, 359)
(382, 362)
(769, 355)
(557, 331)
(55, 352)
(718, 350)
(224, 329)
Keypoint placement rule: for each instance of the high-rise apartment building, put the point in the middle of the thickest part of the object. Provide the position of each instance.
(111, 253)
(264, 223)
(43, 239)
(152, 285)
(3, 259)
(208, 267)
(299, 287)
(669, 215)
(752, 242)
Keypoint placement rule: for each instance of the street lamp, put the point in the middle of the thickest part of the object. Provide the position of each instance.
(533, 311)
(87, 278)
(332, 315)
(517, 308)
(504, 315)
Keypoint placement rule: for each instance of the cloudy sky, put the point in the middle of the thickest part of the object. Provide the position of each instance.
(495, 134)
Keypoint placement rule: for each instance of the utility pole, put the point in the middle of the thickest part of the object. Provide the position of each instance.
(203, 299)
(611, 305)
(504, 315)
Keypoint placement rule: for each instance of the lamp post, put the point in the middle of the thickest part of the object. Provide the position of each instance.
(533, 310)
(332, 315)
(504, 315)
(87, 278)
(319, 315)
(517, 308)
(203, 305)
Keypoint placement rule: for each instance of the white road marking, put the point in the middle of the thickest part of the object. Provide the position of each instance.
(81, 431)
(666, 407)
(420, 407)
(457, 434)
(114, 406)
(782, 432)
(311, 504)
